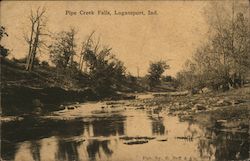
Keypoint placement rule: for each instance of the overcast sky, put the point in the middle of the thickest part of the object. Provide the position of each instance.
(173, 34)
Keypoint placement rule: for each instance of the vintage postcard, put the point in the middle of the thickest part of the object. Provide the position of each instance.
(164, 80)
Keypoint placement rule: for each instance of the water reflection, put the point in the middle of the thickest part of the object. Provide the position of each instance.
(225, 145)
(99, 137)
(94, 148)
(35, 150)
(67, 150)
(109, 126)
(29, 132)
(158, 127)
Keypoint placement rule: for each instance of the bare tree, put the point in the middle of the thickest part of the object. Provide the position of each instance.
(38, 23)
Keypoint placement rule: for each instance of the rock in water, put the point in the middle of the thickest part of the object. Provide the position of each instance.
(70, 108)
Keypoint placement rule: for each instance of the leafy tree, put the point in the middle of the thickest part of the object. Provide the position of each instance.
(62, 50)
(62, 53)
(2, 32)
(106, 72)
(4, 52)
(156, 69)
(223, 60)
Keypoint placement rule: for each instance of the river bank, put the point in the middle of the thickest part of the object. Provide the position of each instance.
(21, 100)
(44, 90)
(227, 111)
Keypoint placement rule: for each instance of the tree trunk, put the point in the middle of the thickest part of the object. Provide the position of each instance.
(30, 46)
(34, 49)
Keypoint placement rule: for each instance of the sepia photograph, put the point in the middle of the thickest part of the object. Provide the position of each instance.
(143, 80)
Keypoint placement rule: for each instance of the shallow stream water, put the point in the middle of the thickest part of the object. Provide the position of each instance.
(97, 131)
